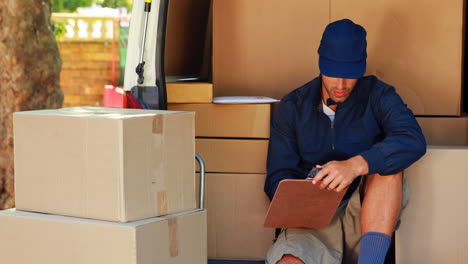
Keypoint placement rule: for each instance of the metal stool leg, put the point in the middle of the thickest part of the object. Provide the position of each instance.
(202, 180)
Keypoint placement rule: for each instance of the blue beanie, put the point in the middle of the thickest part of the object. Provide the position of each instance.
(343, 50)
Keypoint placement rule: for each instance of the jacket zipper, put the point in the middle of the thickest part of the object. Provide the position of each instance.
(333, 135)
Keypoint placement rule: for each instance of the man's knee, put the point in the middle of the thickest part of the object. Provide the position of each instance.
(376, 181)
(382, 202)
(289, 259)
(383, 178)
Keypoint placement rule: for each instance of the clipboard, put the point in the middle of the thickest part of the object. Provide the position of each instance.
(299, 203)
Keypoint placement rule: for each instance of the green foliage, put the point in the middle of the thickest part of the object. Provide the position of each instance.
(59, 28)
(69, 5)
(72, 5)
(57, 5)
(116, 3)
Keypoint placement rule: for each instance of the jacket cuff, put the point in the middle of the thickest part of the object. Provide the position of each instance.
(375, 160)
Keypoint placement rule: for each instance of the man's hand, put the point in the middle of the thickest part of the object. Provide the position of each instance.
(340, 174)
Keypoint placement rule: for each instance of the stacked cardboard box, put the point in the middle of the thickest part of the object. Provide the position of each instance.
(189, 92)
(404, 49)
(433, 226)
(433, 216)
(445, 130)
(52, 239)
(94, 170)
(271, 49)
(233, 141)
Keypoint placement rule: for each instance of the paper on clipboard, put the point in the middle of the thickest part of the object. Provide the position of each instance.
(299, 203)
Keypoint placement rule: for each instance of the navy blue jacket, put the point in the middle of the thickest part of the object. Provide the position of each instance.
(373, 122)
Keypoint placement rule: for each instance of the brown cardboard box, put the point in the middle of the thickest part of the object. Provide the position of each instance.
(229, 120)
(104, 163)
(266, 48)
(237, 206)
(269, 49)
(189, 92)
(39, 238)
(408, 48)
(434, 225)
(445, 130)
(233, 155)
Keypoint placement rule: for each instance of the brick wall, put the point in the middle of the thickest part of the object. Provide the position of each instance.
(87, 67)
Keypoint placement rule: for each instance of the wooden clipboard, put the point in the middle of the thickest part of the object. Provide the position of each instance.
(299, 203)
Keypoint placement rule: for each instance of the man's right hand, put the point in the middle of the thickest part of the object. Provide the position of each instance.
(340, 174)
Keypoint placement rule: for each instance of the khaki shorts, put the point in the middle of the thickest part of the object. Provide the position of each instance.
(337, 243)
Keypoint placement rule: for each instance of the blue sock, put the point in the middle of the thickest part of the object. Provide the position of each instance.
(374, 247)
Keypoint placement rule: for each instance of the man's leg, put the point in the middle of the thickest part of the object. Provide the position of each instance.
(289, 259)
(379, 214)
(382, 203)
(309, 246)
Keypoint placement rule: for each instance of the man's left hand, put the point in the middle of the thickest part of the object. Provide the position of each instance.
(340, 174)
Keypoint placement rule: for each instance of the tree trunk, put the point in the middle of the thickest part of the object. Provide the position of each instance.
(30, 67)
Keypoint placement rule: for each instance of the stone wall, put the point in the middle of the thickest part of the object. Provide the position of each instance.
(87, 67)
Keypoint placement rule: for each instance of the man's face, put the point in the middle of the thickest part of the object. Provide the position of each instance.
(338, 89)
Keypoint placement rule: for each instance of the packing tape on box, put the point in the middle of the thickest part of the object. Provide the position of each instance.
(158, 123)
(173, 237)
(162, 203)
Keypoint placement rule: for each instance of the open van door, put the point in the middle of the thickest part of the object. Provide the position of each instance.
(145, 83)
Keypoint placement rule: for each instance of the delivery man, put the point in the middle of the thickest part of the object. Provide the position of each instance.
(362, 136)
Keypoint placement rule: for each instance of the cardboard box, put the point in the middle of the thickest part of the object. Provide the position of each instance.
(445, 130)
(434, 225)
(266, 48)
(233, 155)
(237, 206)
(189, 92)
(39, 238)
(104, 163)
(229, 120)
(271, 49)
(407, 43)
